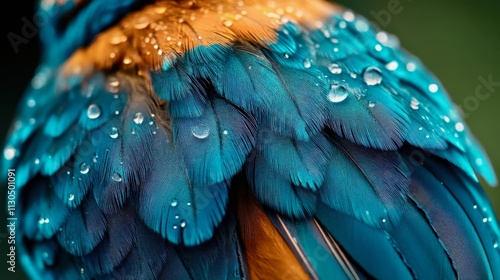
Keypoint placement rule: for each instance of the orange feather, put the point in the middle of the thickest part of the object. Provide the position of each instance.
(267, 253)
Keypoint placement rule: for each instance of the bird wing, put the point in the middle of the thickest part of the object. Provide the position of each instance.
(336, 137)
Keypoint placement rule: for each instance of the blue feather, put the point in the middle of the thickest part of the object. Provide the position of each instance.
(83, 230)
(186, 214)
(277, 192)
(306, 161)
(380, 178)
(223, 137)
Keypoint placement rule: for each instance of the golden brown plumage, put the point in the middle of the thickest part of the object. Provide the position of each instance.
(268, 255)
(163, 31)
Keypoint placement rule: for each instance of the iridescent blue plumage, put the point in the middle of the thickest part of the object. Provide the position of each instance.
(351, 146)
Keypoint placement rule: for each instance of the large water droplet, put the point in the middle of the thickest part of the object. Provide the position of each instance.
(183, 224)
(9, 153)
(138, 118)
(141, 23)
(307, 63)
(113, 133)
(200, 131)
(460, 127)
(338, 93)
(372, 76)
(335, 69)
(116, 177)
(433, 88)
(174, 203)
(414, 104)
(371, 104)
(93, 112)
(84, 168)
(71, 197)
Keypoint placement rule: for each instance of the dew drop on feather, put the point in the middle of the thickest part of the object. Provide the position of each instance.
(93, 112)
(372, 76)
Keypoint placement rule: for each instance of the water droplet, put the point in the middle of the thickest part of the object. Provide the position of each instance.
(362, 25)
(84, 168)
(342, 24)
(113, 84)
(414, 104)
(188, 204)
(479, 161)
(335, 49)
(113, 133)
(37, 161)
(372, 76)
(353, 75)
(127, 60)
(382, 37)
(392, 66)
(378, 47)
(45, 255)
(411, 67)
(285, 55)
(141, 23)
(9, 153)
(117, 39)
(175, 227)
(446, 119)
(307, 63)
(433, 88)
(82, 270)
(43, 221)
(338, 93)
(116, 177)
(495, 245)
(71, 197)
(227, 22)
(225, 132)
(174, 203)
(200, 131)
(117, 112)
(138, 118)
(335, 69)
(349, 16)
(371, 104)
(183, 224)
(176, 217)
(94, 158)
(384, 220)
(485, 220)
(475, 206)
(93, 112)
(31, 102)
(460, 127)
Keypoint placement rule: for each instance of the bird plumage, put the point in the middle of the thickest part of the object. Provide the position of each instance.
(243, 139)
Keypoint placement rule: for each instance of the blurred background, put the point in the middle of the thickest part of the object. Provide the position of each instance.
(458, 40)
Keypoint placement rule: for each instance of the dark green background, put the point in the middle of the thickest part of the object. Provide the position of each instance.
(458, 40)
